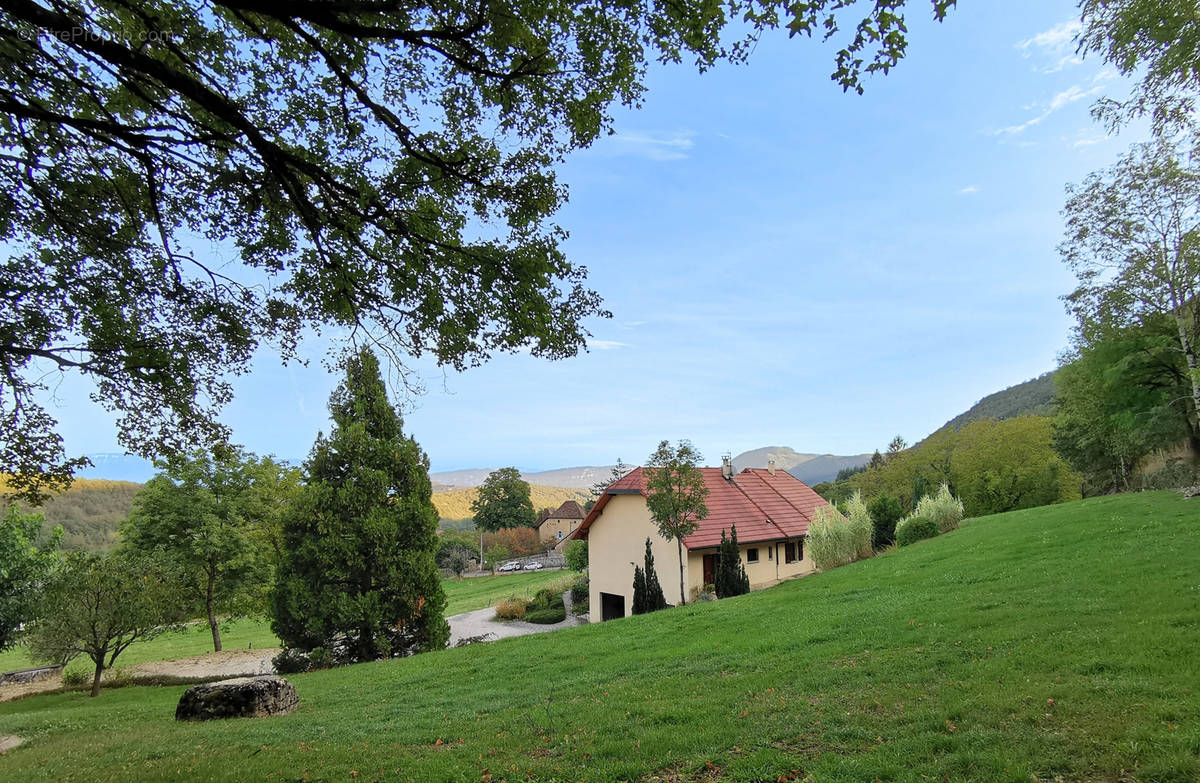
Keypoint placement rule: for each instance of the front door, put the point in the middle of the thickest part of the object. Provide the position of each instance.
(710, 568)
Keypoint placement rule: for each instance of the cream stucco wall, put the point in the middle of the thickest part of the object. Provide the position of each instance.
(769, 570)
(616, 541)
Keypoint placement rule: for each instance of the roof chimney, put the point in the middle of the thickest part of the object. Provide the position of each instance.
(727, 467)
(771, 465)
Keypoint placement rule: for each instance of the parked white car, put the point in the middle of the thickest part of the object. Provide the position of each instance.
(533, 565)
(510, 566)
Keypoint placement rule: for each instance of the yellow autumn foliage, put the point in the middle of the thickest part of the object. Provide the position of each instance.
(455, 502)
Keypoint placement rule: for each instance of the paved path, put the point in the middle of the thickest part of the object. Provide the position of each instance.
(483, 622)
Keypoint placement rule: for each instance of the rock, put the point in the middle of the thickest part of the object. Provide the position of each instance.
(8, 742)
(245, 697)
(1191, 492)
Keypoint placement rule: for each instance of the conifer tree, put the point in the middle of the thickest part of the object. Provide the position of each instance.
(730, 578)
(654, 592)
(358, 575)
(647, 591)
(639, 590)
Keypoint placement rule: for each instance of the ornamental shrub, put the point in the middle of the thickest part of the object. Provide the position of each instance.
(830, 539)
(944, 509)
(510, 609)
(885, 512)
(730, 578)
(548, 616)
(647, 592)
(913, 529)
(861, 529)
(579, 590)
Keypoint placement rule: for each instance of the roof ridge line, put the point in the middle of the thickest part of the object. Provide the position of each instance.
(766, 516)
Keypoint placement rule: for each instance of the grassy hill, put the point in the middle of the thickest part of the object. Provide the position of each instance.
(1056, 643)
(455, 502)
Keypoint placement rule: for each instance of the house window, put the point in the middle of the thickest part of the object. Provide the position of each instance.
(752, 555)
(770, 551)
(789, 552)
(560, 534)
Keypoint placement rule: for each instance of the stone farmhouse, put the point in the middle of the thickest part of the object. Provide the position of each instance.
(559, 526)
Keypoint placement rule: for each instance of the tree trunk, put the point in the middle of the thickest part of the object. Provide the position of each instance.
(1189, 352)
(682, 595)
(96, 678)
(209, 604)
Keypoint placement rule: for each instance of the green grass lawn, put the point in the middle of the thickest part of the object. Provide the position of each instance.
(464, 596)
(481, 591)
(1054, 643)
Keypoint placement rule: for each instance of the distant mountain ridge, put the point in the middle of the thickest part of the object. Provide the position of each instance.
(582, 477)
(809, 468)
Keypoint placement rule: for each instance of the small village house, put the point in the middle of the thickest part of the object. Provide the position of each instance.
(771, 508)
(561, 523)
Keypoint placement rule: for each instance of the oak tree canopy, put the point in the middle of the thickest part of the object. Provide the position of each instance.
(183, 181)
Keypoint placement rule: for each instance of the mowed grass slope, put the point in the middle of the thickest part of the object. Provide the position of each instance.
(1052, 643)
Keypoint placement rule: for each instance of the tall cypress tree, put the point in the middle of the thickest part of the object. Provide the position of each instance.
(358, 575)
(730, 578)
(639, 590)
(647, 592)
(654, 592)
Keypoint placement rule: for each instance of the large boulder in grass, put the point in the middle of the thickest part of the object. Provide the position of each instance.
(245, 697)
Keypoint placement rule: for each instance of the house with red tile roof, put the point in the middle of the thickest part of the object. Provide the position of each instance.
(561, 523)
(771, 508)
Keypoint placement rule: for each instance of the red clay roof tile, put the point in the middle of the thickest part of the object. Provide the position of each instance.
(764, 507)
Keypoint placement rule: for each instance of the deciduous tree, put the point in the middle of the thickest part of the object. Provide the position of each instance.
(358, 576)
(503, 501)
(387, 169)
(1133, 240)
(213, 516)
(675, 495)
(1121, 394)
(98, 605)
(576, 555)
(24, 566)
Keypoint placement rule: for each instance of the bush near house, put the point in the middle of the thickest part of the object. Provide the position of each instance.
(944, 509)
(546, 608)
(830, 539)
(885, 512)
(913, 529)
(861, 529)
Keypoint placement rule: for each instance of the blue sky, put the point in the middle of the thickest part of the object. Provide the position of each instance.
(786, 264)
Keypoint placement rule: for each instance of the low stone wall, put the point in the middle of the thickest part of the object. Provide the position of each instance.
(25, 676)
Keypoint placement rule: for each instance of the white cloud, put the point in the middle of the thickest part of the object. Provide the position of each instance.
(969, 189)
(606, 345)
(1056, 47)
(672, 145)
(1065, 98)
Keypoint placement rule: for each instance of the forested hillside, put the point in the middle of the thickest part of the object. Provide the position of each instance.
(455, 503)
(89, 512)
(1035, 396)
